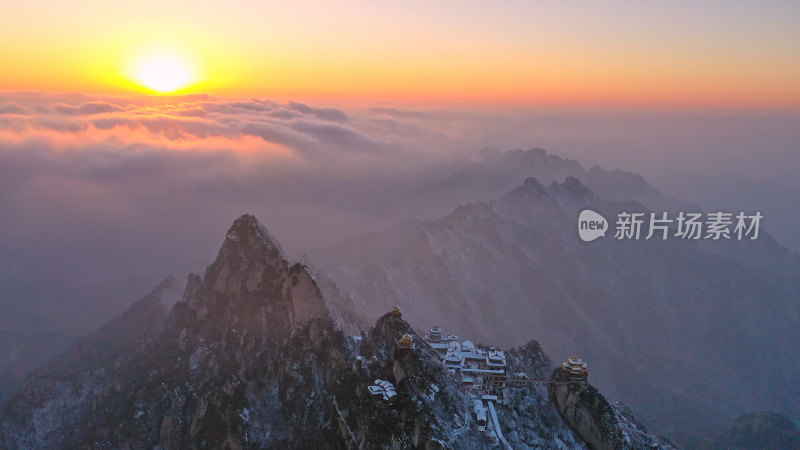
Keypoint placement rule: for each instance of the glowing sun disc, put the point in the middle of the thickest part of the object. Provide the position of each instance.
(163, 73)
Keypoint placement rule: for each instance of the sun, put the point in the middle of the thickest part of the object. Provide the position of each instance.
(164, 72)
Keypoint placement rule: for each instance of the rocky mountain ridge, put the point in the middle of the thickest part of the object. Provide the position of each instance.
(251, 357)
(682, 333)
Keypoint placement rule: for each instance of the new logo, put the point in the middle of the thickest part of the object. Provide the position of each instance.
(591, 225)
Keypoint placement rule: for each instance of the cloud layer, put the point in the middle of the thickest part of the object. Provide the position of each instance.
(98, 193)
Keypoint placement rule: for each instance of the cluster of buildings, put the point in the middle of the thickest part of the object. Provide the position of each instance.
(483, 371)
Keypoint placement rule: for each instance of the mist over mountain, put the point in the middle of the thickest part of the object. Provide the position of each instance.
(498, 172)
(20, 354)
(677, 329)
(456, 187)
(251, 357)
(105, 195)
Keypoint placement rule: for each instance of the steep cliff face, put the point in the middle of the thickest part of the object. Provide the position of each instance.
(429, 406)
(601, 424)
(251, 286)
(243, 359)
(253, 347)
(251, 357)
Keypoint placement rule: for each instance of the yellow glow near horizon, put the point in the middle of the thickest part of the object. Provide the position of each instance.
(164, 72)
(528, 53)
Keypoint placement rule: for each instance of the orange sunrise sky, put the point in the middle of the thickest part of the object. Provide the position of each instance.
(710, 54)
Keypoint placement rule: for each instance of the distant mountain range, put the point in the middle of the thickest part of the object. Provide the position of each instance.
(496, 173)
(689, 333)
(81, 278)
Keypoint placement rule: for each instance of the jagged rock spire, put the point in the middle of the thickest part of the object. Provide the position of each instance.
(251, 281)
(250, 260)
(249, 233)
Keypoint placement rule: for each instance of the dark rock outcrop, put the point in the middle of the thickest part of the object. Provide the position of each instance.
(598, 422)
(242, 360)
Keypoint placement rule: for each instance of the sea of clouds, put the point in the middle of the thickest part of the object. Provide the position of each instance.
(101, 196)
